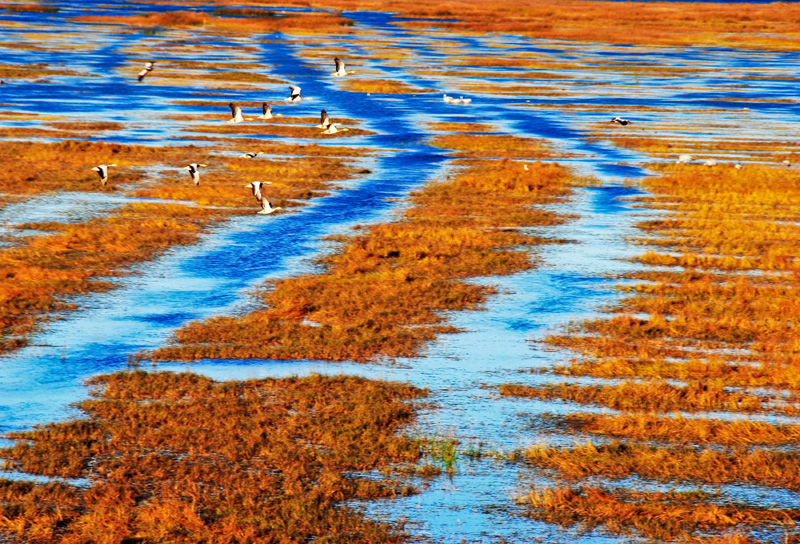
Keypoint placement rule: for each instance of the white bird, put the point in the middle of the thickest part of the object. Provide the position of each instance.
(710, 162)
(267, 112)
(465, 100)
(324, 120)
(447, 99)
(340, 71)
(102, 171)
(146, 70)
(683, 159)
(333, 129)
(621, 121)
(266, 207)
(787, 163)
(295, 94)
(525, 167)
(737, 166)
(236, 113)
(194, 171)
(250, 155)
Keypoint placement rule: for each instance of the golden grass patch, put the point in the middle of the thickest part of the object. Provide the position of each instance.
(664, 516)
(501, 146)
(380, 86)
(181, 458)
(656, 396)
(671, 465)
(309, 23)
(681, 430)
(461, 127)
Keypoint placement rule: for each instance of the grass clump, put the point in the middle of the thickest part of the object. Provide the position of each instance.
(380, 86)
(664, 516)
(647, 396)
(676, 464)
(181, 458)
(739, 432)
(501, 146)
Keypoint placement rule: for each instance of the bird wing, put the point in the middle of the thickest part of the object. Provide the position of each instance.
(265, 108)
(339, 64)
(257, 190)
(233, 108)
(295, 90)
(324, 119)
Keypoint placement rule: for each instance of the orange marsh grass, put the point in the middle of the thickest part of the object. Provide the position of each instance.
(383, 293)
(677, 429)
(180, 458)
(664, 516)
(646, 396)
(503, 146)
(675, 464)
(311, 23)
(380, 86)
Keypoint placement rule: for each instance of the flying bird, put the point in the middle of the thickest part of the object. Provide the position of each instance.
(621, 121)
(194, 171)
(266, 207)
(236, 113)
(102, 171)
(324, 120)
(333, 129)
(340, 71)
(146, 70)
(267, 112)
(295, 94)
(250, 155)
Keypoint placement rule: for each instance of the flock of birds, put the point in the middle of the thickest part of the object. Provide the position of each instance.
(236, 117)
(327, 127)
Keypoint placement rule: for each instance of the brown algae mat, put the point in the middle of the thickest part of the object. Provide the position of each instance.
(718, 317)
(180, 458)
(382, 294)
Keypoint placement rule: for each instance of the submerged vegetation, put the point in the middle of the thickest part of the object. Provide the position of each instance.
(181, 458)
